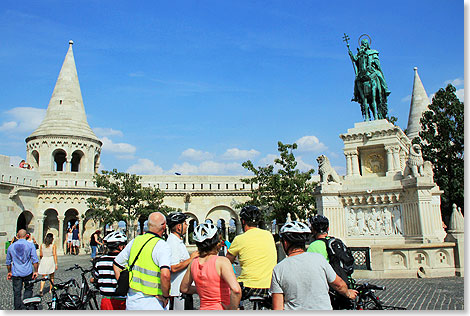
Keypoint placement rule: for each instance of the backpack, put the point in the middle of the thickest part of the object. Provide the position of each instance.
(340, 257)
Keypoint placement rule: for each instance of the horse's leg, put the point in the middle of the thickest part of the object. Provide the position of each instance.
(364, 103)
(373, 103)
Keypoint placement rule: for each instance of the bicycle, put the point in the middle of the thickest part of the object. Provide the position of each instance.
(61, 301)
(260, 302)
(87, 294)
(367, 300)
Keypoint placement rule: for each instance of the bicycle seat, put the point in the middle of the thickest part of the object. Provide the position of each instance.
(32, 300)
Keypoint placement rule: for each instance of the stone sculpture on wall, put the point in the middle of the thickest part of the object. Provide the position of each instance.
(326, 171)
(374, 221)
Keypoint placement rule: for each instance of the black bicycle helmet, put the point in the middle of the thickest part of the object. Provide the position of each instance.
(320, 223)
(250, 214)
(295, 232)
(176, 218)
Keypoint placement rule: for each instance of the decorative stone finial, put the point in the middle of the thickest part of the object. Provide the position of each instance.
(71, 42)
(415, 68)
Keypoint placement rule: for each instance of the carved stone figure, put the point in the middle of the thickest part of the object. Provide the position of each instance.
(387, 221)
(396, 219)
(415, 164)
(326, 171)
(361, 222)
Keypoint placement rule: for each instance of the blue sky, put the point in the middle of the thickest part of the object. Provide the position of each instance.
(198, 87)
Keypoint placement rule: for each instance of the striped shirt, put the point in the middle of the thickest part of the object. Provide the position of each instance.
(104, 274)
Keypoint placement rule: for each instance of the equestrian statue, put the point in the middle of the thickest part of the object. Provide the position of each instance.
(370, 88)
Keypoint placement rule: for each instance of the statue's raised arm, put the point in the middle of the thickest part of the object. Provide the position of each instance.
(370, 88)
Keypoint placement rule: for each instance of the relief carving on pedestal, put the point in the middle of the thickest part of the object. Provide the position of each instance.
(375, 163)
(374, 221)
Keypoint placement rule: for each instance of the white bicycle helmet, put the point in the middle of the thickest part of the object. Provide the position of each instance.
(204, 231)
(295, 232)
(115, 239)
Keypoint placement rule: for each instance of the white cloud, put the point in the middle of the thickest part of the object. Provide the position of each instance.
(118, 148)
(106, 131)
(239, 154)
(268, 160)
(197, 155)
(455, 82)
(406, 99)
(23, 119)
(460, 93)
(144, 166)
(310, 143)
(302, 165)
(208, 168)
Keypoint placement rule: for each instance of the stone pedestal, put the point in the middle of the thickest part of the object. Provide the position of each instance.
(374, 207)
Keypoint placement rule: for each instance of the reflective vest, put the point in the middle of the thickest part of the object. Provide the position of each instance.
(145, 276)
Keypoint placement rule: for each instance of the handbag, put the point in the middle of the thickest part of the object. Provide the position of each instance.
(123, 281)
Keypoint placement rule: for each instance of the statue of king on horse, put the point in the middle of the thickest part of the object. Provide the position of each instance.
(370, 88)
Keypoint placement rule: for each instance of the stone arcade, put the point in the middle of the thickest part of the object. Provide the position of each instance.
(392, 219)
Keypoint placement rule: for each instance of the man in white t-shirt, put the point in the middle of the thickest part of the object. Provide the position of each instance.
(180, 259)
(161, 257)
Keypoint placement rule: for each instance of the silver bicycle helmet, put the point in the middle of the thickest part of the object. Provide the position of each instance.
(114, 239)
(204, 232)
(295, 232)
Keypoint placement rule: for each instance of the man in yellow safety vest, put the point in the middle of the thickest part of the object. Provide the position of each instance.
(149, 283)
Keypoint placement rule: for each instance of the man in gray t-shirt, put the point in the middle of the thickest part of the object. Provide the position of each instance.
(300, 281)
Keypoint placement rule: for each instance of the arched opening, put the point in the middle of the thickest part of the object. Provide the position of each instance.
(96, 164)
(143, 227)
(192, 225)
(76, 159)
(59, 157)
(221, 227)
(51, 225)
(35, 161)
(232, 229)
(70, 219)
(25, 221)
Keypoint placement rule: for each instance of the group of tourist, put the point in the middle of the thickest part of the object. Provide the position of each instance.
(163, 275)
(73, 241)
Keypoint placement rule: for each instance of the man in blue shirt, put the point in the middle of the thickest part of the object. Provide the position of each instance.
(75, 240)
(22, 265)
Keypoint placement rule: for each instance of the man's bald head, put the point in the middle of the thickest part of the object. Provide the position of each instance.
(157, 222)
(21, 233)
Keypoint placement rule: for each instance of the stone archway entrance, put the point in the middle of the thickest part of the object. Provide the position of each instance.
(223, 216)
(51, 225)
(25, 221)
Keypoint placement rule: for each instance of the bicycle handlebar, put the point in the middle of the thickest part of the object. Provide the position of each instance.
(76, 266)
(38, 280)
(369, 286)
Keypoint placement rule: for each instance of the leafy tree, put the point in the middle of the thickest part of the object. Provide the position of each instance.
(443, 145)
(282, 191)
(124, 198)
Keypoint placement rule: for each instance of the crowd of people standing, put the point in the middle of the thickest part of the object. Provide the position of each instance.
(161, 274)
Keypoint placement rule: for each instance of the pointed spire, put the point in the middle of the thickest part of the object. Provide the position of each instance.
(419, 104)
(65, 113)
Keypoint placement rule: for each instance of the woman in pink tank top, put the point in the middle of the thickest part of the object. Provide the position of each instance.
(213, 275)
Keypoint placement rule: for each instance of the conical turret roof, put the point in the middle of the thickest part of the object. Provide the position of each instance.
(65, 113)
(419, 105)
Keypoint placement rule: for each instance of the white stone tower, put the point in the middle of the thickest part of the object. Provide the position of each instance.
(419, 105)
(64, 142)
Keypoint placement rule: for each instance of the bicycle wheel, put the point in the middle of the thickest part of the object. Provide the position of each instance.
(372, 304)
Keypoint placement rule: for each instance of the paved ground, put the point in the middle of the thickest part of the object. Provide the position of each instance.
(415, 294)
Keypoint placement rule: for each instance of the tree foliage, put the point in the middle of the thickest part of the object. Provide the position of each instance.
(281, 188)
(443, 145)
(124, 198)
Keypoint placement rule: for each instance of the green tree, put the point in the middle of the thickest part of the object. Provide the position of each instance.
(124, 198)
(281, 188)
(443, 145)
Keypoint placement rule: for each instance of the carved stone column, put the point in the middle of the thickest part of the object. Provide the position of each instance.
(355, 163)
(40, 229)
(68, 164)
(389, 151)
(60, 244)
(348, 164)
(81, 230)
(396, 158)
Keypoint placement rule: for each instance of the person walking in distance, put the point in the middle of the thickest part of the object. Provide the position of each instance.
(22, 265)
(75, 240)
(104, 275)
(48, 264)
(301, 280)
(257, 254)
(149, 284)
(180, 260)
(213, 276)
(94, 242)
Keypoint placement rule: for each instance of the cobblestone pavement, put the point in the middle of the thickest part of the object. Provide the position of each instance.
(414, 294)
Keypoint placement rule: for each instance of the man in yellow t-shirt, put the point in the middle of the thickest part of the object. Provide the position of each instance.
(256, 251)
